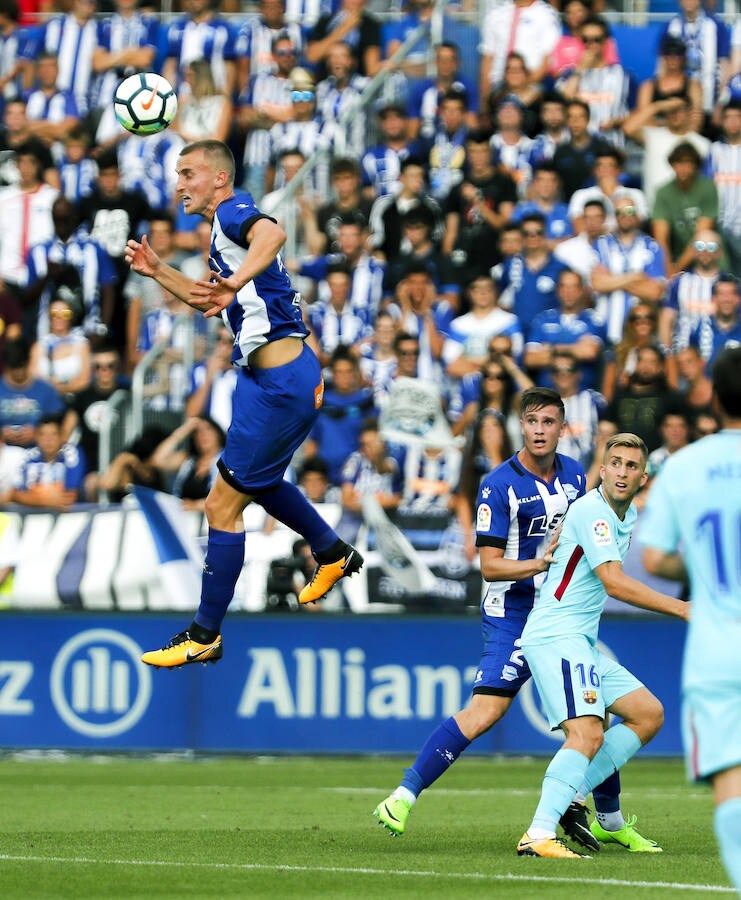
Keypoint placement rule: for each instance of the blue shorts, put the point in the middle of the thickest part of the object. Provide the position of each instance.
(273, 411)
(502, 670)
(576, 679)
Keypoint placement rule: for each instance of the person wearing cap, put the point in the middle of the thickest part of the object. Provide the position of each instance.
(708, 44)
(723, 165)
(671, 80)
(683, 206)
(381, 165)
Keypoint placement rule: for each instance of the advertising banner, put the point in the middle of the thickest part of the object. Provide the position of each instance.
(291, 683)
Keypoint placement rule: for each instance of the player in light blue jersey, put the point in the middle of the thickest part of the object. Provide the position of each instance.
(520, 506)
(276, 399)
(695, 504)
(576, 682)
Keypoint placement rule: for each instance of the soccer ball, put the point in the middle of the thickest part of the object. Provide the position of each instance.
(145, 103)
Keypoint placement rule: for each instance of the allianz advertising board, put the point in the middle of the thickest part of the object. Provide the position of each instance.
(287, 684)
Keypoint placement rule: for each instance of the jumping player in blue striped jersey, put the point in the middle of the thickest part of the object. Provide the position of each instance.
(577, 683)
(520, 506)
(694, 504)
(276, 400)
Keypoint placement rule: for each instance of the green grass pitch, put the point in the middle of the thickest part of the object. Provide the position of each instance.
(104, 827)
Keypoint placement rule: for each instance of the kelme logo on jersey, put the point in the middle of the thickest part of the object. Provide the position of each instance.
(601, 531)
(483, 517)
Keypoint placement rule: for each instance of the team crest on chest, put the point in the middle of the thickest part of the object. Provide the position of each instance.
(590, 697)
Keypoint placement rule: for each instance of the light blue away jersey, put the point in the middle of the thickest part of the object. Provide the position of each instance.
(572, 597)
(695, 505)
(519, 512)
(266, 308)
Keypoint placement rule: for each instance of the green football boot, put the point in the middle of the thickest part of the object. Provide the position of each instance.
(393, 814)
(627, 837)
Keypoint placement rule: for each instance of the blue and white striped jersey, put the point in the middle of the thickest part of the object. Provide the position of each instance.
(643, 255)
(74, 45)
(255, 41)
(519, 512)
(267, 308)
(263, 88)
(723, 165)
(212, 40)
(93, 265)
(117, 33)
(14, 45)
(691, 296)
(707, 40)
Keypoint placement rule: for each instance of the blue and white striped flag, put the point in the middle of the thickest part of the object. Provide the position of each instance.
(180, 557)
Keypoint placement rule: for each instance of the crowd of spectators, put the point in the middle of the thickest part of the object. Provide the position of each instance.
(548, 221)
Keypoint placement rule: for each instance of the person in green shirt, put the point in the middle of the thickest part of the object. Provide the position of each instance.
(683, 206)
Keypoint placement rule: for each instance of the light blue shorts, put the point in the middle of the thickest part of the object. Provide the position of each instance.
(711, 728)
(575, 679)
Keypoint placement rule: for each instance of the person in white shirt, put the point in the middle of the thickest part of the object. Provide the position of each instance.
(528, 27)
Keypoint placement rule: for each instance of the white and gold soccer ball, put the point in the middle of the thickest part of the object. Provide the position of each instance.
(145, 103)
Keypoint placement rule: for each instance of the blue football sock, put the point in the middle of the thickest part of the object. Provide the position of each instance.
(287, 504)
(607, 795)
(620, 744)
(221, 568)
(562, 778)
(441, 750)
(728, 832)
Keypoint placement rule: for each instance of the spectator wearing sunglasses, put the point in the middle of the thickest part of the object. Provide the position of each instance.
(689, 298)
(631, 266)
(683, 206)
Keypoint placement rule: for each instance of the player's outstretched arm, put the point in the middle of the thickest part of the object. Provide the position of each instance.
(142, 259)
(623, 587)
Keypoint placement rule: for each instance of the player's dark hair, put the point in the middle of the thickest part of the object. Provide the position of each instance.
(403, 336)
(685, 152)
(16, 354)
(343, 165)
(218, 154)
(50, 419)
(581, 104)
(727, 381)
(598, 203)
(478, 136)
(537, 397)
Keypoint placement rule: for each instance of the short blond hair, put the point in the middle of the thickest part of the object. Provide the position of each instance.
(217, 153)
(626, 439)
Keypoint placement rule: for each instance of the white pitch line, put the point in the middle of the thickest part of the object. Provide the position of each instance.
(520, 792)
(346, 870)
